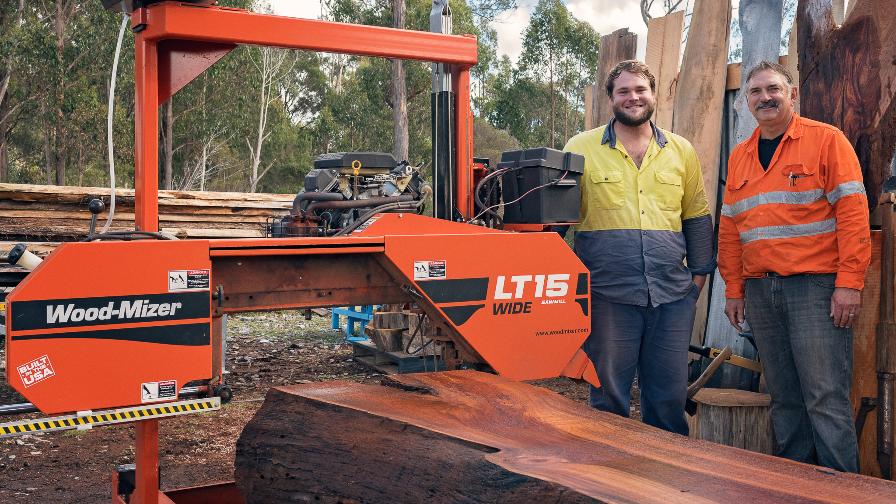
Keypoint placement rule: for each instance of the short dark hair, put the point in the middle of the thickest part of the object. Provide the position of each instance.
(631, 66)
(774, 67)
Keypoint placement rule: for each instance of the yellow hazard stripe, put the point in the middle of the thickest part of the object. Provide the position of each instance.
(45, 424)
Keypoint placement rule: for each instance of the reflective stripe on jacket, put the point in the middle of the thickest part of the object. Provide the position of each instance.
(808, 213)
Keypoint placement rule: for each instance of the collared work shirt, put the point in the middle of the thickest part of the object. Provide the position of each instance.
(637, 225)
(808, 213)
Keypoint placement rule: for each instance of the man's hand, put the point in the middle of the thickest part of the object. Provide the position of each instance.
(845, 306)
(734, 309)
(699, 281)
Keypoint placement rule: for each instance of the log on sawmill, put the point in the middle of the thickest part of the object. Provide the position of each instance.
(59, 213)
(464, 436)
(733, 418)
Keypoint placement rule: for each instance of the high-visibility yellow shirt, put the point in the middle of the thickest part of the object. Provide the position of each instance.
(617, 194)
(637, 225)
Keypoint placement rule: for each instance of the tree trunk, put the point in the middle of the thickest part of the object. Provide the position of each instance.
(399, 91)
(59, 137)
(760, 24)
(4, 158)
(465, 436)
(168, 144)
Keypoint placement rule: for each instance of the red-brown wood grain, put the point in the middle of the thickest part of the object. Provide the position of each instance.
(465, 436)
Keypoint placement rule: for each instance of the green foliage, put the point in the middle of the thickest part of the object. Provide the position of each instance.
(53, 113)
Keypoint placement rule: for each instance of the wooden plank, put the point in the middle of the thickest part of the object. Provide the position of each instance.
(864, 349)
(618, 46)
(699, 104)
(847, 79)
(791, 61)
(663, 55)
(128, 217)
(733, 74)
(464, 436)
(191, 195)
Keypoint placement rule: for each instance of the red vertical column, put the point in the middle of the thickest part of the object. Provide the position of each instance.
(146, 130)
(147, 471)
(464, 139)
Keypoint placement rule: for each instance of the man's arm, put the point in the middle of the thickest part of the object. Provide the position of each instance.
(845, 191)
(730, 258)
(696, 223)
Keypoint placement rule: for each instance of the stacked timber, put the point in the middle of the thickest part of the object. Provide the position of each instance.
(464, 436)
(36, 213)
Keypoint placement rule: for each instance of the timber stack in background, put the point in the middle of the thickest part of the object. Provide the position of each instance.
(44, 215)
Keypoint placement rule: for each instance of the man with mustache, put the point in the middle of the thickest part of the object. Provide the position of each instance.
(794, 244)
(643, 211)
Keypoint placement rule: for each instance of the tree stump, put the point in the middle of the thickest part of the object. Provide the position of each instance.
(733, 418)
(464, 436)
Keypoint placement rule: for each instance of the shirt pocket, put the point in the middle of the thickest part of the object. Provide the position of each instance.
(607, 189)
(669, 190)
(799, 177)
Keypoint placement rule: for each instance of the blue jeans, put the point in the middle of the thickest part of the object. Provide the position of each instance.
(808, 368)
(652, 341)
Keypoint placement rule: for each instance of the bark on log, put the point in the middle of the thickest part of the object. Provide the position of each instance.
(464, 436)
(847, 79)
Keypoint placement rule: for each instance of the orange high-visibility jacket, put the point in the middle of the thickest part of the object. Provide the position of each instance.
(808, 213)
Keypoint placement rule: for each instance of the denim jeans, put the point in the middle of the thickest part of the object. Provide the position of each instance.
(652, 341)
(808, 368)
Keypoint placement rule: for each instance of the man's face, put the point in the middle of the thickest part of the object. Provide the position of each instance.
(632, 100)
(770, 98)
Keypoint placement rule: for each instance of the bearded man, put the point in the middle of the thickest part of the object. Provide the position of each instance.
(643, 212)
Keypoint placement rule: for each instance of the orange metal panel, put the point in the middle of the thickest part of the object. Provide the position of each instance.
(464, 141)
(180, 62)
(293, 251)
(233, 26)
(146, 131)
(247, 243)
(522, 304)
(95, 321)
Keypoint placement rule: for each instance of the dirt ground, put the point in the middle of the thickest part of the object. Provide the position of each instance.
(264, 350)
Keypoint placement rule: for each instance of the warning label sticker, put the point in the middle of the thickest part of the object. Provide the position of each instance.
(36, 371)
(430, 270)
(158, 391)
(179, 280)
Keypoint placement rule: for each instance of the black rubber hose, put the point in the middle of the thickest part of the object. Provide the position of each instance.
(314, 196)
(362, 203)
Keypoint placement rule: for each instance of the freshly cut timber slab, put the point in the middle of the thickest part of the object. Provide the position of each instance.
(465, 436)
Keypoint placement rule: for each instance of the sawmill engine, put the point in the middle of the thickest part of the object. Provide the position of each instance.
(345, 189)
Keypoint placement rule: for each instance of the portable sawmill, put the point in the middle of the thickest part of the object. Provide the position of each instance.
(127, 327)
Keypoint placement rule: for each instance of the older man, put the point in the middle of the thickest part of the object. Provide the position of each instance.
(643, 211)
(794, 244)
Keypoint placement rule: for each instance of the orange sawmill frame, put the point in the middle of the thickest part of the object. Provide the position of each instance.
(174, 43)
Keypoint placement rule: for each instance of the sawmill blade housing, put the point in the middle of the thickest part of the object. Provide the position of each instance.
(114, 324)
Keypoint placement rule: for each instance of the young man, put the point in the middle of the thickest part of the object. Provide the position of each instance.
(643, 212)
(794, 244)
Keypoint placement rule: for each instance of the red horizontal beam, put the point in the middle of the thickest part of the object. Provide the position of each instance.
(172, 20)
